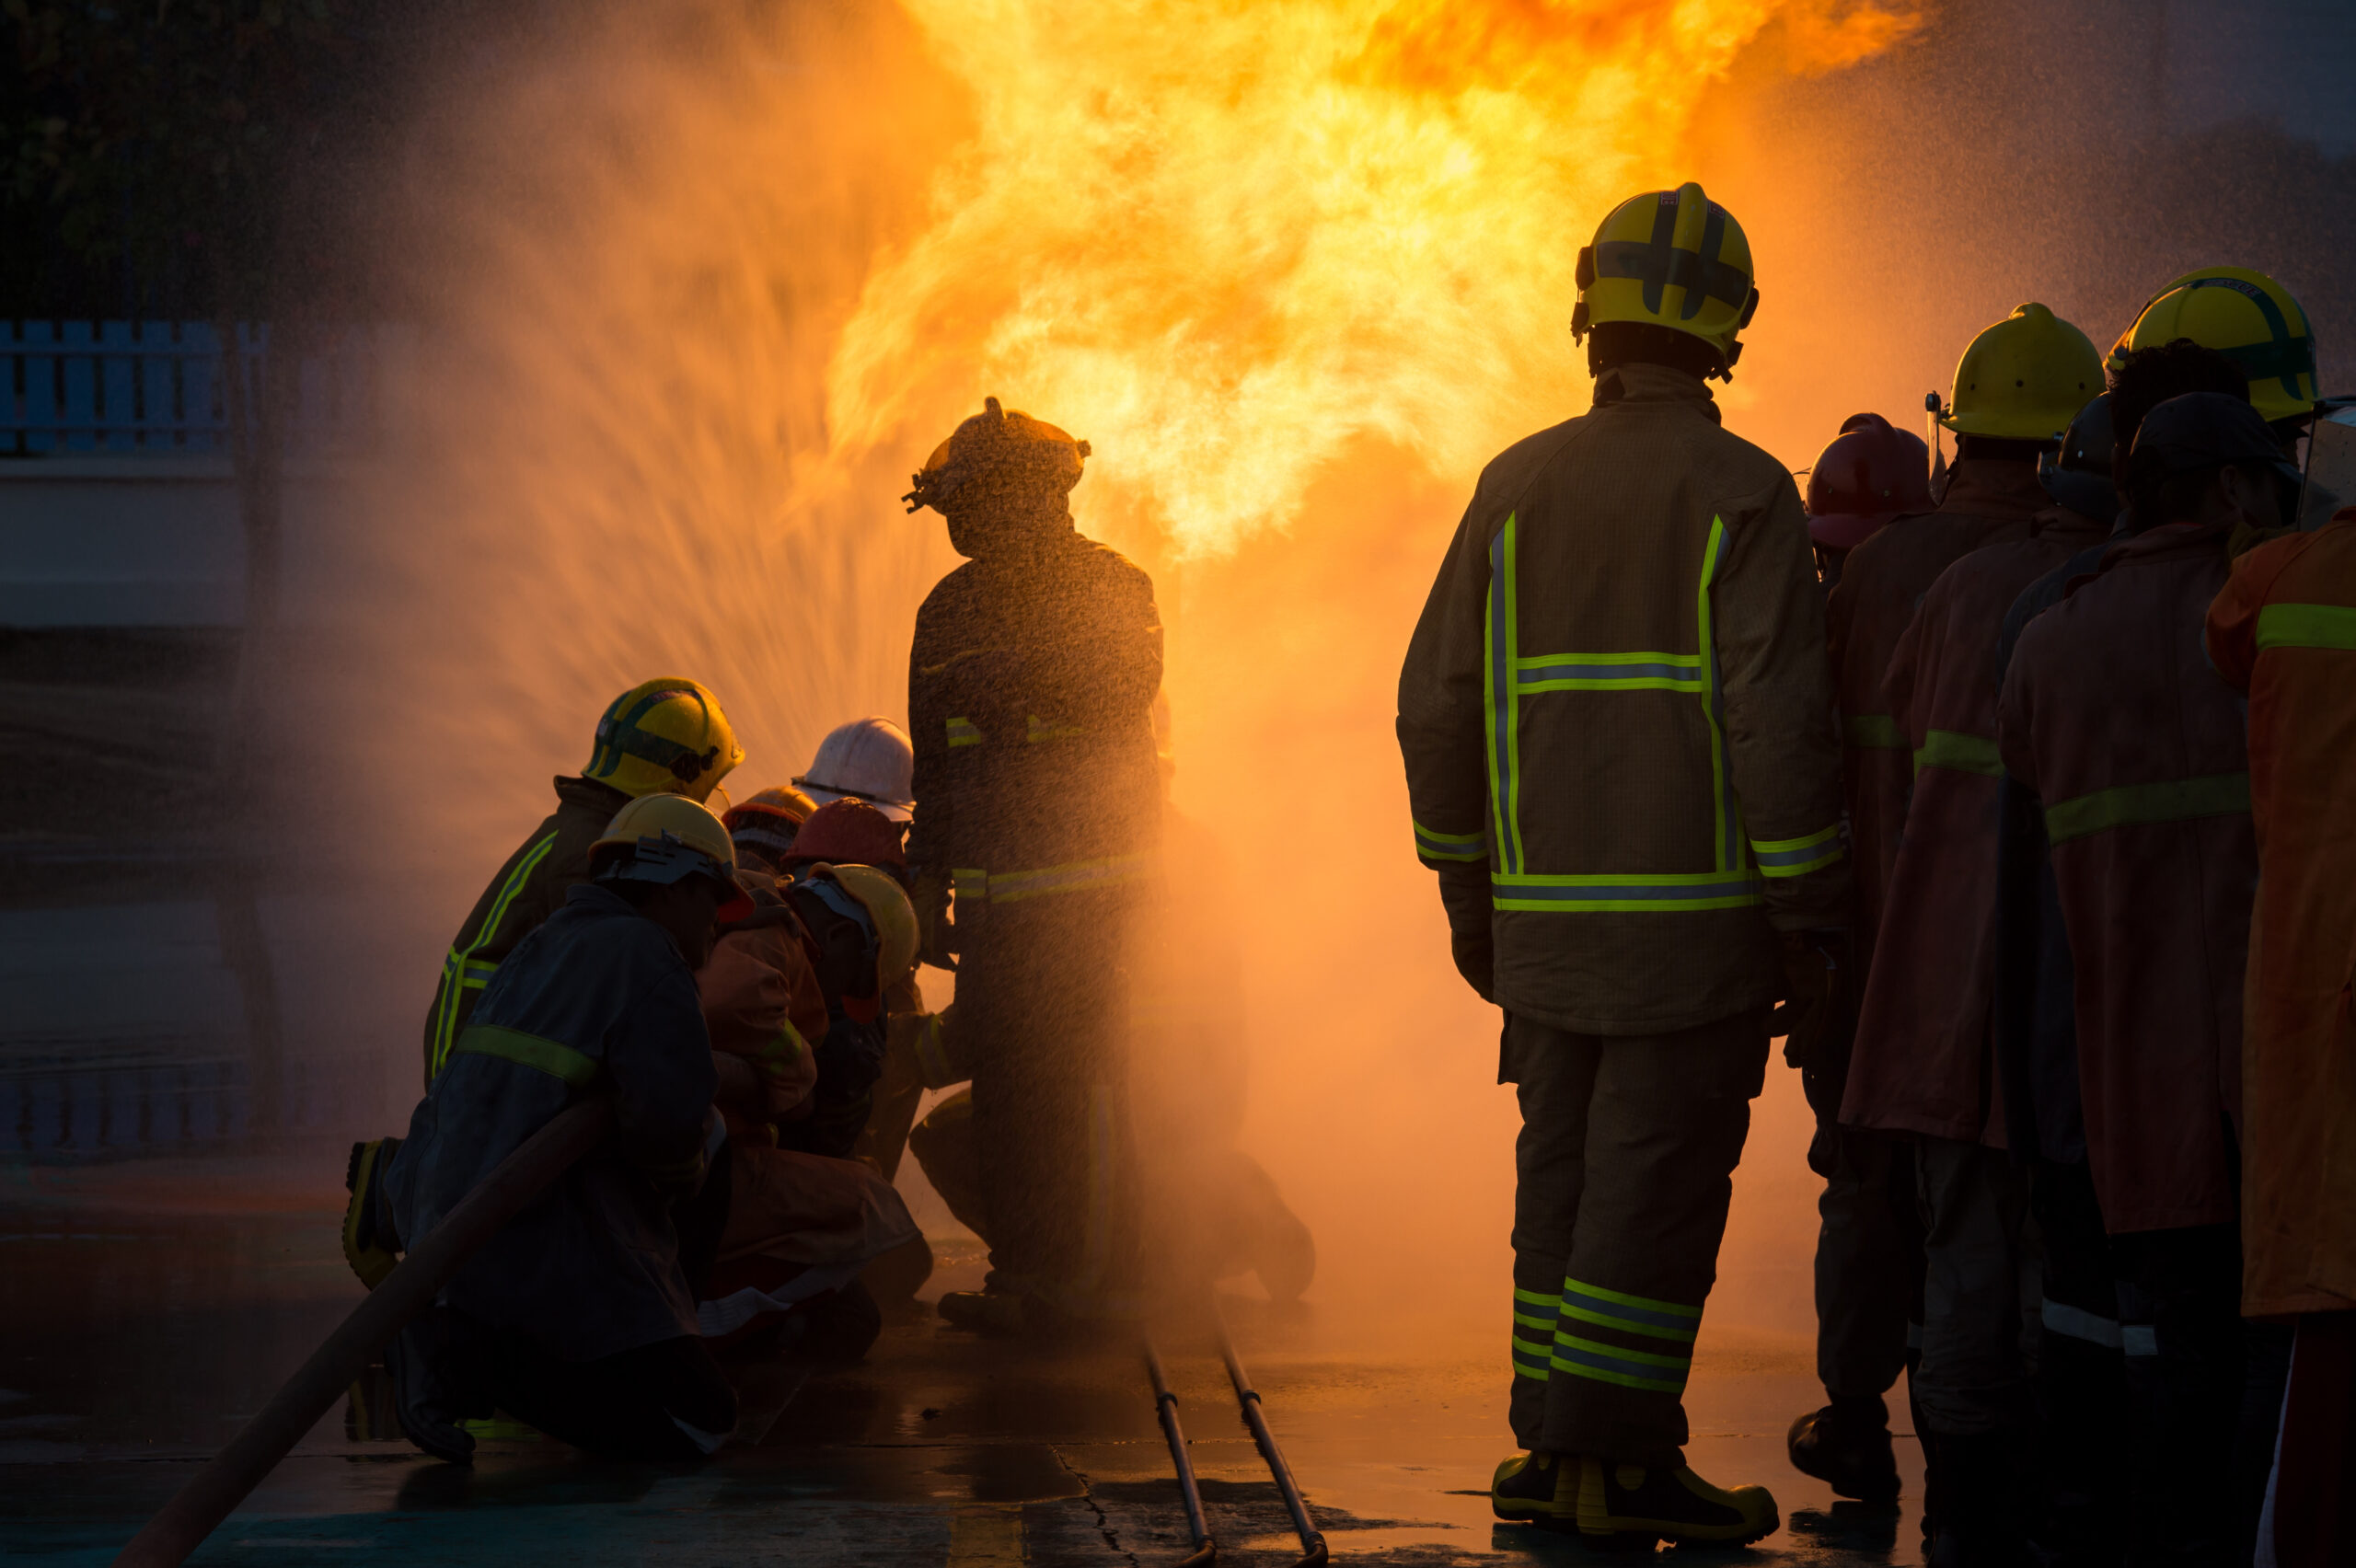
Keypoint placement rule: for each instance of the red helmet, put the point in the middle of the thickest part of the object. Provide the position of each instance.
(1871, 473)
(850, 833)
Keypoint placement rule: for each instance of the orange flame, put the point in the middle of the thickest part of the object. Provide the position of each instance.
(1221, 241)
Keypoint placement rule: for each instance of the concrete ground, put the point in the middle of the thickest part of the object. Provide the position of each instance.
(147, 1306)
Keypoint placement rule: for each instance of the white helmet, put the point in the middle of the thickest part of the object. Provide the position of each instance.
(868, 759)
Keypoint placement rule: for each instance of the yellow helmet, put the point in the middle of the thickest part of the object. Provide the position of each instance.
(895, 919)
(1673, 259)
(670, 837)
(2246, 317)
(2024, 379)
(665, 737)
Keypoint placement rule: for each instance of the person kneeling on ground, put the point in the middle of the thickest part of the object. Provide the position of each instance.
(577, 1317)
(779, 1235)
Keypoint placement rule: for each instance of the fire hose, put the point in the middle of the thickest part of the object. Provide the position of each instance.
(198, 1509)
(1166, 1403)
(1312, 1544)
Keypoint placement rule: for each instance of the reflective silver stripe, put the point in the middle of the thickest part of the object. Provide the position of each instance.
(2077, 1323)
(2139, 1339)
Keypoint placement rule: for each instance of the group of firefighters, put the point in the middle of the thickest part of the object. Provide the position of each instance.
(2023, 788)
(741, 986)
(2012, 793)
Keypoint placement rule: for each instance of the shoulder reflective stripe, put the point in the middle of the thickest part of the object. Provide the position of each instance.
(1795, 857)
(2129, 806)
(1609, 894)
(1006, 887)
(2306, 626)
(1044, 729)
(1959, 752)
(1874, 731)
(1433, 845)
(1609, 672)
(1725, 829)
(964, 733)
(549, 1057)
(446, 1022)
(1502, 641)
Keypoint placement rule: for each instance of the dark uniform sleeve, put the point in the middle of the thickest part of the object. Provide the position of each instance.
(930, 704)
(1442, 730)
(1782, 746)
(660, 1057)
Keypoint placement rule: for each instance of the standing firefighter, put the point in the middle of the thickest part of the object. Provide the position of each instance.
(1030, 682)
(1618, 731)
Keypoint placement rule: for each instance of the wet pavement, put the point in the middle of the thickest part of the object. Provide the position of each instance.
(147, 1306)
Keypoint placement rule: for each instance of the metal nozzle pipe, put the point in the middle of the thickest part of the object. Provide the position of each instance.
(1312, 1544)
(1165, 1405)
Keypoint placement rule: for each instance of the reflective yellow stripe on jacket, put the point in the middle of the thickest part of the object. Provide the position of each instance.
(2306, 626)
(2132, 805)
(461, 970)
(553, 1057)
(1511, 677)
(1073, 876)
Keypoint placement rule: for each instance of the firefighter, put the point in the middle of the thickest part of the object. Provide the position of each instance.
(665, 737)
(577, 1317)
(2016, 388)
(1617, 727)
(1871, 473)
(2113, 716)
(764, 824)
(2252, 320)
(2284, 631)
(1923, 1065)
(1029, 681)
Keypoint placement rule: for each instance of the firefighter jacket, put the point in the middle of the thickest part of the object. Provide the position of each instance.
(1030, 685)
(2284, 630)
(1922, 1062)
(762, 1001)
(1616, 719)
(1882, 582)
(528, 889)
(596, 1000)
(2112, 715)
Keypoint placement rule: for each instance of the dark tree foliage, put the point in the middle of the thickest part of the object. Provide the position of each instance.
(182, 157)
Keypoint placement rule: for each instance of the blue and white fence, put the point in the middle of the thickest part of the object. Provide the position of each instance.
(163, 388)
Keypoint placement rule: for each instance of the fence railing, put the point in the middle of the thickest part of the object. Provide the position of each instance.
(164, 387)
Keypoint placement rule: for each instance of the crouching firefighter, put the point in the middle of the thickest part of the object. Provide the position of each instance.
(1617, 723)
(1030, 680)
(577, 1317)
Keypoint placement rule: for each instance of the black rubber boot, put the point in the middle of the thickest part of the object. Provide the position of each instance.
(999, 1314)
(1629, 1504)
(1537, 1489)
(1846, 1446)
(437, 1366)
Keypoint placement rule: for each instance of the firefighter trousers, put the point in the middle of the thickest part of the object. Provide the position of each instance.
(1978, 1333)
(1869, 1264)
(1043, 1007)
(1624, 1169)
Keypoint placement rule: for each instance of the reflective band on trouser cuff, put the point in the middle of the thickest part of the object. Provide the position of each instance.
(552, 1057)
(462, 961)
(1796, 857)
(1611, 894)
(2077, 1323)
(1623, 1313)
(2306, 626)
(1958, 753)
(1874, 731)
(1076, 876)
(964, 733)
(2132, 805)
(1534, 1333)
(1433, 845)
